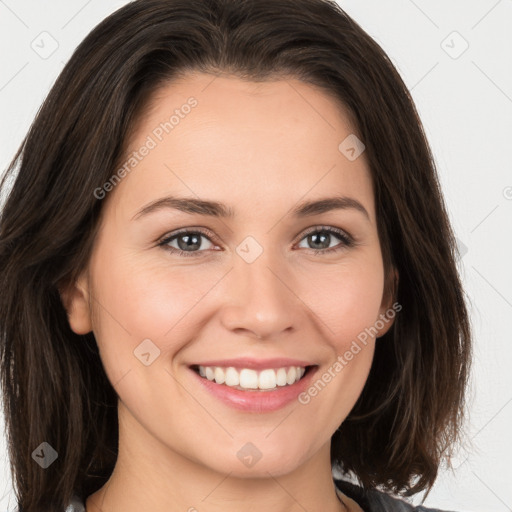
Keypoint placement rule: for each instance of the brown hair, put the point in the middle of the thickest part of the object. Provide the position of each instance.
(54, 386)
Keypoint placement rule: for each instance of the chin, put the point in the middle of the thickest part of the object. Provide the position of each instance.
(250, 462)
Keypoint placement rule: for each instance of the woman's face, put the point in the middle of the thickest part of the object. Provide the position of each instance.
(256, 291)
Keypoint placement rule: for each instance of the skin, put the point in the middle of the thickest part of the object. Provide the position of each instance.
(261, 148)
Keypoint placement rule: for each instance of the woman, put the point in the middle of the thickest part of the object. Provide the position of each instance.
(173, 336)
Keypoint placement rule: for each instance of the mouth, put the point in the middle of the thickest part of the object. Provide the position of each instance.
(251, 379)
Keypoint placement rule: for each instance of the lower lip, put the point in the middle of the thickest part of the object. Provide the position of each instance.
(256, 400)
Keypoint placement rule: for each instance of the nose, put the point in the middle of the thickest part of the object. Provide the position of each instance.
(261, 300)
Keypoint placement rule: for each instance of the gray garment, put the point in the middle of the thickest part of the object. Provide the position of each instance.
(369, 501)
(76, 505)
(377, 501)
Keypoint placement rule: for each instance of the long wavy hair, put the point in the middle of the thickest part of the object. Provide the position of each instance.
(55, 389)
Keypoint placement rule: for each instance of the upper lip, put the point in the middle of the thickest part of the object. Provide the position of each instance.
(255, 364)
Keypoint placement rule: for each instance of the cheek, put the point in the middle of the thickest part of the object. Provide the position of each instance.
(136, 299)
(164, 300)
(347, 297)
(348, 306)
(347, 300)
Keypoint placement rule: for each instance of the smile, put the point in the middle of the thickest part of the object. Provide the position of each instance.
(254, 390)
(250, 379)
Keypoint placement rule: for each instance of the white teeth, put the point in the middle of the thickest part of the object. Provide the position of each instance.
(251, 379)
(267, 379)
(232, 377)
(281, 377)
(248, 379)
(292, 373)
(220, 376)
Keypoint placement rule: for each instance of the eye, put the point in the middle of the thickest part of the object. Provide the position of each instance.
(189, 242)
(321, 237)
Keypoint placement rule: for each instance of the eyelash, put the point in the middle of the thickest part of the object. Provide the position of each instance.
(346, 240)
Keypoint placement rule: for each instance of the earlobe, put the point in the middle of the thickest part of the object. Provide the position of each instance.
(75, 299)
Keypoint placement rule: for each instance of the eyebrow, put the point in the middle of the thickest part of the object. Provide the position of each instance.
(217, 209)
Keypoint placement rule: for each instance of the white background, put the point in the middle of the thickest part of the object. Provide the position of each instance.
(466, 106)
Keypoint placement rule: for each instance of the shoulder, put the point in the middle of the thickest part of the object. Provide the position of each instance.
(377, 501)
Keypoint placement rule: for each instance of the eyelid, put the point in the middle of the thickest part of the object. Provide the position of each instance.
(319, 227)
(193, 229)
(346, 239)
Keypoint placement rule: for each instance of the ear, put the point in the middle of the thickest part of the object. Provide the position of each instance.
(388, 308)
(75, 299)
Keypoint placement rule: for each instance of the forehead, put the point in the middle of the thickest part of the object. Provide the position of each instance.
(223, 137)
